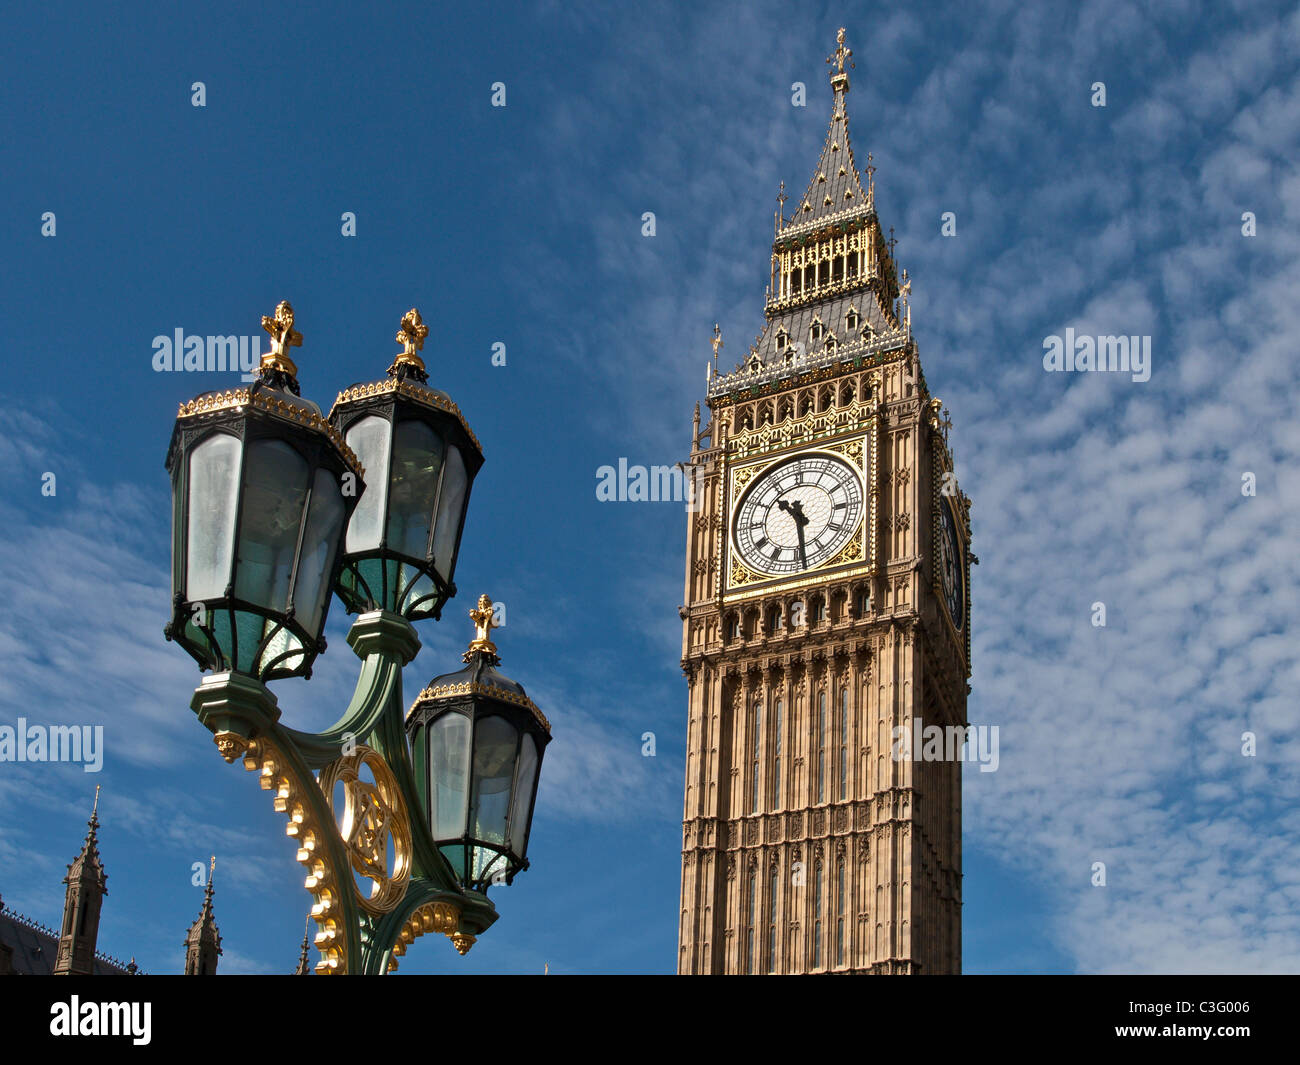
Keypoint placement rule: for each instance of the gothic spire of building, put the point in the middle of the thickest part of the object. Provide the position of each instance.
(203, 942)
(304, 967)
(835, 189)
(87, 885)
(833, 288)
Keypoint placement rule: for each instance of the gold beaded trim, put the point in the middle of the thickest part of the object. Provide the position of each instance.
(290, 412)
(406, 389)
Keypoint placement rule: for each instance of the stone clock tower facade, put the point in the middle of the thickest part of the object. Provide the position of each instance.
(826, 611)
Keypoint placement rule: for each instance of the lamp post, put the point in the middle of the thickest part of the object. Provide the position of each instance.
(275, 506)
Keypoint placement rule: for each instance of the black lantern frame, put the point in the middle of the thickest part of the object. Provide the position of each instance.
(381, 570)
(225, 631)
(473, 699)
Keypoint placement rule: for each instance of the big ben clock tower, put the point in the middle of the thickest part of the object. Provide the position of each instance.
(826, 616)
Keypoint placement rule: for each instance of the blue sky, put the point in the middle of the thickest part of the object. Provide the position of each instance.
(522, 225)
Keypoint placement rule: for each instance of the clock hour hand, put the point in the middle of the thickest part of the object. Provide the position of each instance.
(795, 509)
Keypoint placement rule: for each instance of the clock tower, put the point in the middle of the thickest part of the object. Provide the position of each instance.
(826, 617)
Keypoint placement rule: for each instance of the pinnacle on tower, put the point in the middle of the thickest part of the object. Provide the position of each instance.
(87, 885)
(304, 967)
(203, 942)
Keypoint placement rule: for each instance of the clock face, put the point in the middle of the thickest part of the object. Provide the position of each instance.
(798, 514)
(951, 569)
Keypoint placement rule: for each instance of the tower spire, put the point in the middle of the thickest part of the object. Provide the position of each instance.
(835, 192)
(87, 885)
(304, 968)
(203, 941)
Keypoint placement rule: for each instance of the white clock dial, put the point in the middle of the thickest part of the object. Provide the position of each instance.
(798, 514)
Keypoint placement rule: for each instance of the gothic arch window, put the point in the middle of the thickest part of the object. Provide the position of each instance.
(839, 910)
(852, 320)
(775, 619)
(831, 342)
(787, 408)
(821, 745)
(817, 917)
(756, 730)
(816, 330)
(846, 394)
(777, 725)
(749, 935)
(825, 398)
(771, 919)
(765, 413)
(782, 339)
(805, 403)
(844, 742)
(820, 612)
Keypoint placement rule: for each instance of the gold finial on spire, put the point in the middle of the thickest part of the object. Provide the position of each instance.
(283, 337)
(94, 810)
(411, 336)
(839, 79)
(484, 618)
(871, 179)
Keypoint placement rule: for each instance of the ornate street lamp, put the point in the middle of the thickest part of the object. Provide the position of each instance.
(421, 459)
(477, 743)
(264, 488)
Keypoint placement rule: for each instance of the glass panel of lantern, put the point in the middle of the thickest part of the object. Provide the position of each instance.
(258, 512)
(420, 462)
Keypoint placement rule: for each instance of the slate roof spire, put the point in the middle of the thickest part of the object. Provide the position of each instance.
(835, 189)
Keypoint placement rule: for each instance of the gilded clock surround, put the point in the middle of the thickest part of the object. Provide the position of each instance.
(858, 452)
(806, 847)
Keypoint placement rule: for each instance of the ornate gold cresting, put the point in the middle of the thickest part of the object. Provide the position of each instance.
(280, 408)
(409, 390)
(283, 337)
(448, 691)
(411, 336)
(373, 814)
